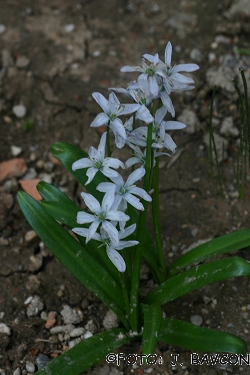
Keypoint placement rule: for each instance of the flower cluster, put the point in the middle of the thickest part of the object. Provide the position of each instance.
(155, 83)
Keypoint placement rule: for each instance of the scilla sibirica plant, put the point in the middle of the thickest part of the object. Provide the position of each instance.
(104, 245)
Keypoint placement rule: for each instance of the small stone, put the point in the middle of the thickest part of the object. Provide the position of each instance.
(96, 53)
(30, 367)
(17, 371)
(190, 119)
(77, 332)
(7, 59)
(196, 319)
(5, 329)
(42, 360)
(62, 329)
(7, 119)
(228, 128)
(30, 235)
(87, 335)
(36, 262)
(69, 28)
(19, 110)
(15, 150)
(51, 319)
(71, 316)
(2, 28)
(194, 232)
(29, 186)
(74, 342)
(110, 320)
(12, 168)
(35, 306)
(196, 54)
(22, 62)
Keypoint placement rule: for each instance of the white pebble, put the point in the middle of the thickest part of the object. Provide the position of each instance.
(87, 335)
(15, 150)
(96, 53)
(30, 367)
(5, 329)
(77, 332)
(196, 319)
(71, 316)
(2, 28)
(19, 110)
(17, 371)
(69, 28)
(110, 320)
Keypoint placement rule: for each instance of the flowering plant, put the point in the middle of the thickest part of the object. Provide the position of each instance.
(104, 245)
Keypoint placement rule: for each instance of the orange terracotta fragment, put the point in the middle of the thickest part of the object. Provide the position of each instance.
(12, 168)
(29, 186)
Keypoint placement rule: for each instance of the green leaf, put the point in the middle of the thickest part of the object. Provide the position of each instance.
(67, 154)
(73, 255)
(152, 324)
(192, 337)
(85, 354)
(196, 277)
(51, 193)
(224, 244)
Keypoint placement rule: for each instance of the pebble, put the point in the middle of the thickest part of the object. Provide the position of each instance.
(5, 329)
(15, 150)
(196, 319)
(196, 54)
(71, 316)
(19, 110)
(17, 371)
(51, 319)
(90, 326)
(69, 28)
(62, 329)
(36, 262)
(189, 118)
(30, 175)
(7, 59)
(22, 62)
(29, 186)
(12, 168)
(110, 320)
(35, 306)
(42, 360)
(74, 342)
(77, 332)
(2, 28)
(228, 128)
(30, 367)
(46, 177)
(87, 335)
(30, 235)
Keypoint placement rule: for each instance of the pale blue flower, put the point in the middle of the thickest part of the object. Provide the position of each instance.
(102, 214)
(112, 109)
(172, 79)
(111, 248)
(97, 162)
(124, 191)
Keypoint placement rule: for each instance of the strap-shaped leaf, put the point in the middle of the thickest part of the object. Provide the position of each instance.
(51, 193)
(151, 328)
(192, 337)
(85, 354)
(224, 244)
(73, 255)
(196, 277)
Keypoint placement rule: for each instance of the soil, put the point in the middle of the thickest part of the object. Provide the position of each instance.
(55, 83)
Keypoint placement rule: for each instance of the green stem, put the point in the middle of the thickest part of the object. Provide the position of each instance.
(134, 301)
(156, 216)
(124, 286)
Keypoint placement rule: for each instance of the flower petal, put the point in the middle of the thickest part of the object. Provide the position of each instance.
(168, 54)
(92, 230)
(112, 231)
(116, 259)
(83, 217)
(101, 119)
(101, 100)
(82, 163)
(135, 176)
(184, 68)
(141, 192)
(91, 172)
(91, 202)
(135, 202)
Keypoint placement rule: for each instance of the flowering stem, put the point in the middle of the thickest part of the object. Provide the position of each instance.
(156, 215)
(124, 286)
(134, 302)
(108, 142)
